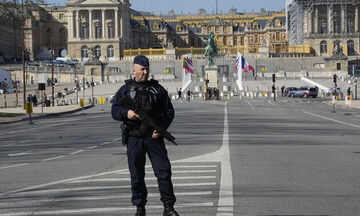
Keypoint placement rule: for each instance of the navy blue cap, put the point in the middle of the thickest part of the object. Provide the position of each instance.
(141, 60)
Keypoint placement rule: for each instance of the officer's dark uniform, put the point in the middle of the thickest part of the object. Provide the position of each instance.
(152, 97)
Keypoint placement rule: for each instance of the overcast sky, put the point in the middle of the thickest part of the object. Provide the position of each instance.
(192, 6)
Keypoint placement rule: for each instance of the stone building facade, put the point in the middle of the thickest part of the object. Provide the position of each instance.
(321, 23)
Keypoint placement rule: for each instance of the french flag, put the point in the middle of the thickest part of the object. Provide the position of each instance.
(242, 63)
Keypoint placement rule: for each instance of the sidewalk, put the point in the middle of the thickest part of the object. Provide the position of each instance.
(48, 111)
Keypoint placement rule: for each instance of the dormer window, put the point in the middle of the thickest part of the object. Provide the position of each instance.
(178, 27)
(156, 25)
(278, 23)
(256, 25)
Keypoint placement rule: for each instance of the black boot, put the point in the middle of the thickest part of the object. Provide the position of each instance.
(169, 209)
(140, 211)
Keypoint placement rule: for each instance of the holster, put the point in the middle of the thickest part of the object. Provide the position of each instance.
(125, 133)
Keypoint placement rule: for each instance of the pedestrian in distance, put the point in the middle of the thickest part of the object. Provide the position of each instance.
(282, 91)
(188, 94)
(179, 95)
(141, 139)
(29, 98)
(349, 91)
(34, 100)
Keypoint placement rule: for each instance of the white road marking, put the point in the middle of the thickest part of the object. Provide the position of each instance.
(146, 179)
(114, 140)
(19, 154)
(226, 197)
(334, 120)
(194, 166)
(92, 147)
(16, 165)
(251, 106)
(174, 171)
(76, 152)
(105, 143)
(90, 198)
(50, 191)
(102, 210)
(54, 158)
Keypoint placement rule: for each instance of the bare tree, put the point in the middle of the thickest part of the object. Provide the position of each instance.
(17, 13)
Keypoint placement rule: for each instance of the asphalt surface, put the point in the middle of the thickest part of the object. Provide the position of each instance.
(244, 157)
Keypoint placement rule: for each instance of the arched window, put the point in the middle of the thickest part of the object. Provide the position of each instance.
(156, 25)
(178, 27)
(48, 37)
(62, 36)
(255, 25)
(350, 47)
(111, 32)
(110, 51)
(278, 22)
(97, 51)
(323, 47)
(84, 52)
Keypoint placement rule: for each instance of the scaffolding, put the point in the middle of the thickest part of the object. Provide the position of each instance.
(297, 10)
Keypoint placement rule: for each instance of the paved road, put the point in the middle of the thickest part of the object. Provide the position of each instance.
(248, 157)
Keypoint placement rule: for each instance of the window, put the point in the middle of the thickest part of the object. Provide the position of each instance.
(337, 27)
(351, 47)
(110, 51)
(62, 36)
(178, 27)
(97, 15)
(323, 47)
(323, 26)
(235, 41)
(97, 51)
(156, 25)
(350, 26)
(111, 31)
(255, 25)
(61, 16)
(84, 33)
(98, 31)
(278, 23)
(277, 36)
(84, 52)
(48, 36)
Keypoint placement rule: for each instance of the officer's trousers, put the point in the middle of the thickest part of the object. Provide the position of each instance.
(137, 148)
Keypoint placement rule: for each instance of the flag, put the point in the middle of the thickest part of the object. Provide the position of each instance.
(242, 63)
(188, 64)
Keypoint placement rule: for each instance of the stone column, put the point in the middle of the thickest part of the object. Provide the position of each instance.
(310, 21)
(116, 23)
(316, 20)
(90, 24)
(306, 22)
(343, 21)
(103, 22)
(330, 21)
(77, 24)
(356, 23)
(70, 26)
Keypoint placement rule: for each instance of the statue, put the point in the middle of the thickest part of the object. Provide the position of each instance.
(211, 49)
(338, 50)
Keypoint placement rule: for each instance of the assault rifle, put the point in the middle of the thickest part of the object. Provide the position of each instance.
(146, 120)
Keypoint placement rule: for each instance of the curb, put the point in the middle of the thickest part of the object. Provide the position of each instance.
(48, 115)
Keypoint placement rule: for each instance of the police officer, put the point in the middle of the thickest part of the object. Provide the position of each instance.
(151, 96)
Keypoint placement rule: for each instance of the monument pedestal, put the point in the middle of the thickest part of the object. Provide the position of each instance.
(211, 74)
(336, 63)
(94, 68)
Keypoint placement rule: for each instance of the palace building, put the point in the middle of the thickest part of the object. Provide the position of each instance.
(111, 30)
(320, 23)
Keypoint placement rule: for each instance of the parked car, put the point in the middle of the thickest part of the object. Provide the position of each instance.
(335, 91)
(304, 91)
(288, 90)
